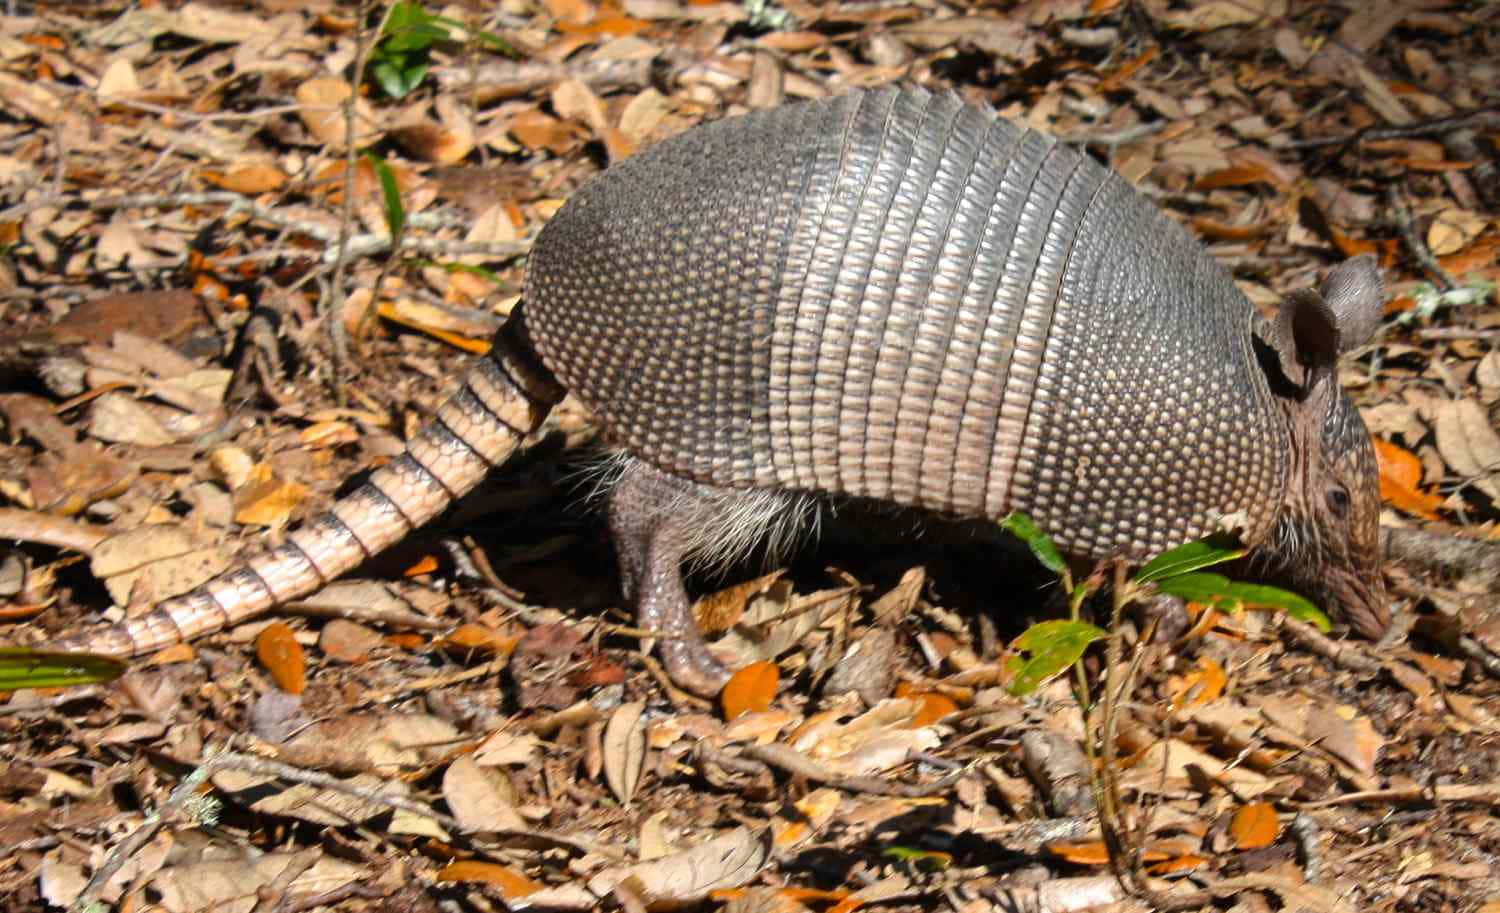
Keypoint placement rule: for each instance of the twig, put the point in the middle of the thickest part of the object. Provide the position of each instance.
(1404, 221)
(1474, 559)
(1480, 793)
(128, 847)
(333, 303)
(1437, 126)
(1476, 651)
(1441, 333)
(1338, 652)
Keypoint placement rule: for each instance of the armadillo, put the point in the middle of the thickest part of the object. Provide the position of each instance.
(889, 295)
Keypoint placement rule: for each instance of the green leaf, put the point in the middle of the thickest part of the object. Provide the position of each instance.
(23, 668)
(395, 213)
(1054, 646)
(1041, 545)
(926, 860)
(1232, 596)
(1191, 556)
(411, 28)
(388, 75)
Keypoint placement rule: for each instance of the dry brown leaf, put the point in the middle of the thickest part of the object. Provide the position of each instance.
(688, 876)
(480, 798)
(348, 641)
(723, 610)
(750, 690)
(164, 315)
(248, 178)
(117, 79)
(1467, 442)
(1254, 826)
(895, 604)
(322, 113)
(1206, 15)
(224, 884)
(574, 100)
(1352, 740)
(165, 554)
(277, 649)
(1453, 229)
(536, 130)
(435, 143)
(268, 501)
(625, 750)
(121, 419)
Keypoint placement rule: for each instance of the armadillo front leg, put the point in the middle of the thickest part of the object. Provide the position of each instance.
(651, 515)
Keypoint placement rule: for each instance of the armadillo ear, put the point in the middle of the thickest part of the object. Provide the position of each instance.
(1307, 339)
(1354, 293)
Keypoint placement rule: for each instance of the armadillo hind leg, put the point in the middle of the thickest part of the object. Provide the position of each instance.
(505, 396)
(659, 521)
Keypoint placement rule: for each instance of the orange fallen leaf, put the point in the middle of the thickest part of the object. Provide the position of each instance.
(1187, 862)
(278, 650)
(934, 707)
(1400, 478)
(1203, 684)
(1254, 826)
(511, 884)
(751, 689)
(478, 637)
(1128, 69)
(249, 178)
(1235, 176)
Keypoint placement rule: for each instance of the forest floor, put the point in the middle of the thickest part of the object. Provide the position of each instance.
(207, 333)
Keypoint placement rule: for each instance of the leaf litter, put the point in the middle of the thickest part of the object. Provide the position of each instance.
(480, 724)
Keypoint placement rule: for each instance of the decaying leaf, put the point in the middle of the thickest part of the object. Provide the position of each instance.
(625, 750)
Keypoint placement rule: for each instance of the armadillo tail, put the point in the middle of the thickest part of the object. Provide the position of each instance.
(505, 396)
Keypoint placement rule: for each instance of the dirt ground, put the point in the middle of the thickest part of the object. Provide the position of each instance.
(246, 249)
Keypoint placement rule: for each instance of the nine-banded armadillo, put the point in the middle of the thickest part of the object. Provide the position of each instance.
(887, 295)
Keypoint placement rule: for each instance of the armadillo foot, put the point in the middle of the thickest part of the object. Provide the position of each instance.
(652, 534)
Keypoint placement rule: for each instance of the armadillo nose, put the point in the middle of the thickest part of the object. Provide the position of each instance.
(1364, 603)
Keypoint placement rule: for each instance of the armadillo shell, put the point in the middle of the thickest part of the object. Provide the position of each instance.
(893, 295)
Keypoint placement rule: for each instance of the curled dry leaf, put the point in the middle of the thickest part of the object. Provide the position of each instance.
(625, 750)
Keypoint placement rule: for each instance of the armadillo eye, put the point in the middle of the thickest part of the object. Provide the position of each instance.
(1338, 501)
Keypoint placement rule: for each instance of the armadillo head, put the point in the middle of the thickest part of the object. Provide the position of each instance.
(1326, 536)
